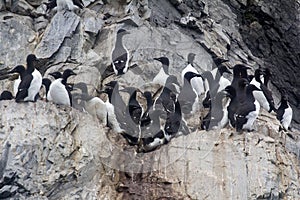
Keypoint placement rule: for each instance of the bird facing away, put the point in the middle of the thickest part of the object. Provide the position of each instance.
(120, 55)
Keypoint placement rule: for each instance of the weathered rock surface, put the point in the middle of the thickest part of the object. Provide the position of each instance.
(51, 152)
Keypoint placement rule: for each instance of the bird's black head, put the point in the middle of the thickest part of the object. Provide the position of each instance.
(189, 75)
(6, 95)
(46, 82)
(172, 83)
(219, 60)
(191, 58)
(163, 60)
(284, 97)
(122, 31)
(147, 95)
(267, 72)
(18, 69)
(56, 74)
(230, 91)
(223, 69)
(257, 74)
(67, 73)
(252, 87)
(31, 58)
(238, 69)
(112, 84)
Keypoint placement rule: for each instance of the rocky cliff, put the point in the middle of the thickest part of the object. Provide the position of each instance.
(57, 152)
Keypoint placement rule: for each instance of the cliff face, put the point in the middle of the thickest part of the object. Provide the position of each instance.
(56, 152)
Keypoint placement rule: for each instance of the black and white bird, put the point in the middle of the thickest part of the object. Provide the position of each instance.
(163, 73)
(31, 82)
(112, 121)
(21, 70)
(217, 117)
(248, 106)
(232, 106)
(196, 82)
(216, 83)
(130, 131)
(93, 105)
(165, 102)
(6, 95)
(239, 72)
(188, 97)
(58, 91)
(220, 79)
(267, 77)
(46, 82)
(173, 122)
(284, 113)
(57, 75)
(63, 5)
(152, 129)
(146, 119)
(120, 55)
(264, 96)
(134, 108)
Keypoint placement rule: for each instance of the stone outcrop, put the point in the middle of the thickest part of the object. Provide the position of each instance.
(57, 152)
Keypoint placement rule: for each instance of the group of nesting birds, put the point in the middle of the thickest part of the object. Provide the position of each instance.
(235, 102)
(167, 111)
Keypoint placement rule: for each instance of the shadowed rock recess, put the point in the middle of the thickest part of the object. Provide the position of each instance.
(58, 152)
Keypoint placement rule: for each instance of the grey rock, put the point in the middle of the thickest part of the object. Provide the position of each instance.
(91, 22)
(62, 25)
(15, 46)
(48, 149)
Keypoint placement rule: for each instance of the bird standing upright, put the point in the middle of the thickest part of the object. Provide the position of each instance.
(31, 83)
(120, 55)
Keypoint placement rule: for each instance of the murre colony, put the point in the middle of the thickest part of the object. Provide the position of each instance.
(151, 118)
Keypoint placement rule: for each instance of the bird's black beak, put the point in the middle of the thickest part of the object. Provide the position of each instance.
(11, 71)
(109, 84)
(156, 59)
(100, 91)
(73, 73)
(51, 74)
